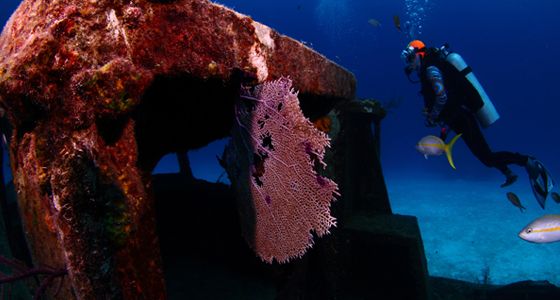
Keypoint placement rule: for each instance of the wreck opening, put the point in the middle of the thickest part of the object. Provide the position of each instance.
(179, 118)
(181, 123)
(181, 113)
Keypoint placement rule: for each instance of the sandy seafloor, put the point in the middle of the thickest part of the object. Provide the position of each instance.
(469, 225)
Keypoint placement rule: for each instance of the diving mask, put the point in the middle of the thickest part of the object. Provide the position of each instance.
(408, 55)
(412, 62)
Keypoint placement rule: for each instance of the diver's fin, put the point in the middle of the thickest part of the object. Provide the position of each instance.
(449, 147)
(540, 180)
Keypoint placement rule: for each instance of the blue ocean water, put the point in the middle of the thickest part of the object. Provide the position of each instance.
(512, 47)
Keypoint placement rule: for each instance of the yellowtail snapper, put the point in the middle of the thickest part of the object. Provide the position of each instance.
(545, 229)
(432, 145)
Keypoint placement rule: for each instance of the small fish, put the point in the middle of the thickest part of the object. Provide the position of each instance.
(397, 22)
(545, 229)
(555, 197)
(432, 145)
(515, 201)
(323, 124)
(374, 22)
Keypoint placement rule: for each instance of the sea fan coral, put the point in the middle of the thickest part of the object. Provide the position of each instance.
(271, 162)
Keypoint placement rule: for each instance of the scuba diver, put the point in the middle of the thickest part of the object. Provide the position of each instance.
(453, 98)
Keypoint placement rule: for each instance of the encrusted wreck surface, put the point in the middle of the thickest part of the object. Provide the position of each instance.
(97, 91)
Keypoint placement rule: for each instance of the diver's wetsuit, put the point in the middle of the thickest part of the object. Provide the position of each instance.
(446, 100)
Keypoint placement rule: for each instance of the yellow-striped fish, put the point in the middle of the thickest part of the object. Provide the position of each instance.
(545, 229)
(432, 145)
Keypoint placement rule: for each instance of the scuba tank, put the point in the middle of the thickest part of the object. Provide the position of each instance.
(486, 113)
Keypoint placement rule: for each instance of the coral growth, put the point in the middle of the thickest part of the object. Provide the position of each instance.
(271, 161)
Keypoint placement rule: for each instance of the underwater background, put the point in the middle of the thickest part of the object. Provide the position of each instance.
(468, 225)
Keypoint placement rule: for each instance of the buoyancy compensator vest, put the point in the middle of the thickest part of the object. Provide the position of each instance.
(480, 103)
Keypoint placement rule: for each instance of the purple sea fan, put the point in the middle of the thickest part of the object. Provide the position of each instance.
(270, 161)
